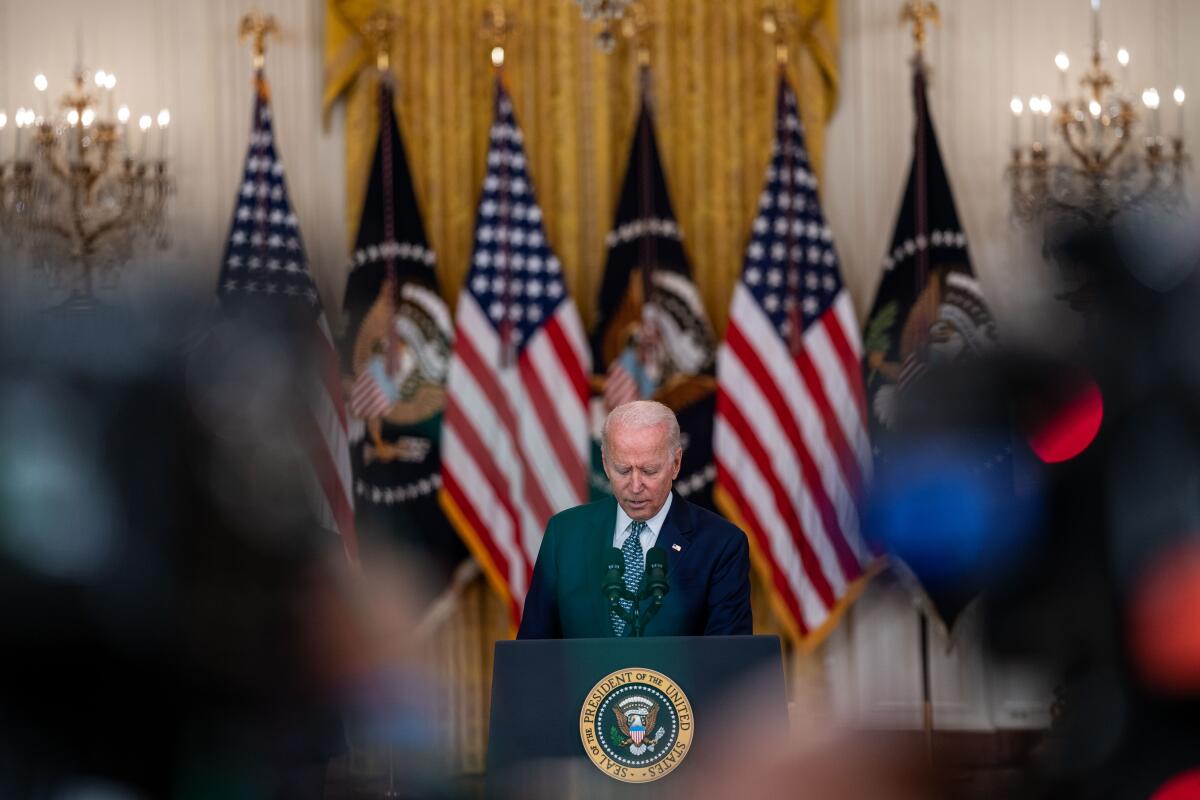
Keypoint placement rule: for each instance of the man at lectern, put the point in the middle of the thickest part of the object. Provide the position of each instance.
(645, 563)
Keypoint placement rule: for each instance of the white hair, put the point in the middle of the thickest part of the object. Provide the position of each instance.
(643, 414)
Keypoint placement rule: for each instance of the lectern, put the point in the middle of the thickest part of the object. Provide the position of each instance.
(624, 717)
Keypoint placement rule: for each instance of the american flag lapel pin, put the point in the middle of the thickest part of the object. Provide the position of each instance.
(677, 548)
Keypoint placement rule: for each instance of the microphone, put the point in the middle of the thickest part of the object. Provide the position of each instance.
(614, 575)
(656, 573)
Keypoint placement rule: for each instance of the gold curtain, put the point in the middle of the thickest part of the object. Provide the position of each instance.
(714, 85)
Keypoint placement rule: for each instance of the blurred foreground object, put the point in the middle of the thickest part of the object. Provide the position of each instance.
(1102, 592)
(175, 621)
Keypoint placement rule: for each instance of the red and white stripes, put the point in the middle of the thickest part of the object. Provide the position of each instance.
(792, 452)
(329, 444)
(515, 443)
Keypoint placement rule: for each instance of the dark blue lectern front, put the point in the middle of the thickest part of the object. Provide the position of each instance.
(621, 717)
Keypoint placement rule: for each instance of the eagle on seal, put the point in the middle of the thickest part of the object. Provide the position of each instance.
(637, 725)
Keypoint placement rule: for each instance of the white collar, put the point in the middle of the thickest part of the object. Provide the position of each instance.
(655, 523)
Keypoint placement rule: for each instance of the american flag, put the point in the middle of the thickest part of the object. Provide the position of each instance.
(515, 434)
(371, 395)
(265, 271)
(790, 440)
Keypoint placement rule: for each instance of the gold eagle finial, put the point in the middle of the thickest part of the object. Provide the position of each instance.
(920, 14)
(257, 27)
(380, 31)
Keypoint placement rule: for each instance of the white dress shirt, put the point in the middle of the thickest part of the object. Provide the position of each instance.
(649, 533)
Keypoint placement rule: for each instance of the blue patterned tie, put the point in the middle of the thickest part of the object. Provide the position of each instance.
(635, 566)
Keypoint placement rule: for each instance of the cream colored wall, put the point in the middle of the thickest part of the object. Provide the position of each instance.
(184, 54)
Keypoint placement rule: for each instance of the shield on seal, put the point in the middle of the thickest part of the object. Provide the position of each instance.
(637, 732)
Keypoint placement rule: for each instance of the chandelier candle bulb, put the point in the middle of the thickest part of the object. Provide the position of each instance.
(1035, 106)
(86, 135)
(1150, 99)
(1180, 96)
(144, 123)
(76, 134)
(1096, 110)
(41, 84)
(110, 83)
(19, 124)
(1123, 60)
(1063, 62)
(164, 119)
(30, 120)
(123, 118)
(73, 134)
(1047, 106)
(1016, 106)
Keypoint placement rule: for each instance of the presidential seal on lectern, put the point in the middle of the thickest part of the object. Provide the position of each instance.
(636, 725)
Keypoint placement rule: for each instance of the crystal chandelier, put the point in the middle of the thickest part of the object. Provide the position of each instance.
(75, 192)
(1091, 156)
(608, 13)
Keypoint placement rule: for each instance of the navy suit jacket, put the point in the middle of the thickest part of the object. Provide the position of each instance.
(708, 570)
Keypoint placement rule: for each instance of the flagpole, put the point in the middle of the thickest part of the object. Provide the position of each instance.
(258, 27)
(636, 26)
(646, 244)
(380, 31)
(774, 20)
(497, 26)
(920, 14)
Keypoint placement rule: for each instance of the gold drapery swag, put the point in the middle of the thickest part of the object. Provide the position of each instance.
(714, 88)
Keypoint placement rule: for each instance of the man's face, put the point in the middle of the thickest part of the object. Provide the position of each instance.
(641, 468)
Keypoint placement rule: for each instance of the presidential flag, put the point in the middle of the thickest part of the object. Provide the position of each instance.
(653, 339)
(515, 436)
(397, 350)
(929, 308)
(790, 439)
(929, 318)
(265, 274)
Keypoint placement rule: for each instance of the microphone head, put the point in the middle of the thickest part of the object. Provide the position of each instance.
(656, 559)
(614, 575)
(656, 573)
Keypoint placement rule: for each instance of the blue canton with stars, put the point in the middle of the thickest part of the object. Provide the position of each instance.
(791, 267)
(265, 264)
(514, 277)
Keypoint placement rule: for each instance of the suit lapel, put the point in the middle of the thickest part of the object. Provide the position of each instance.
(675, 536)
(600, 542)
